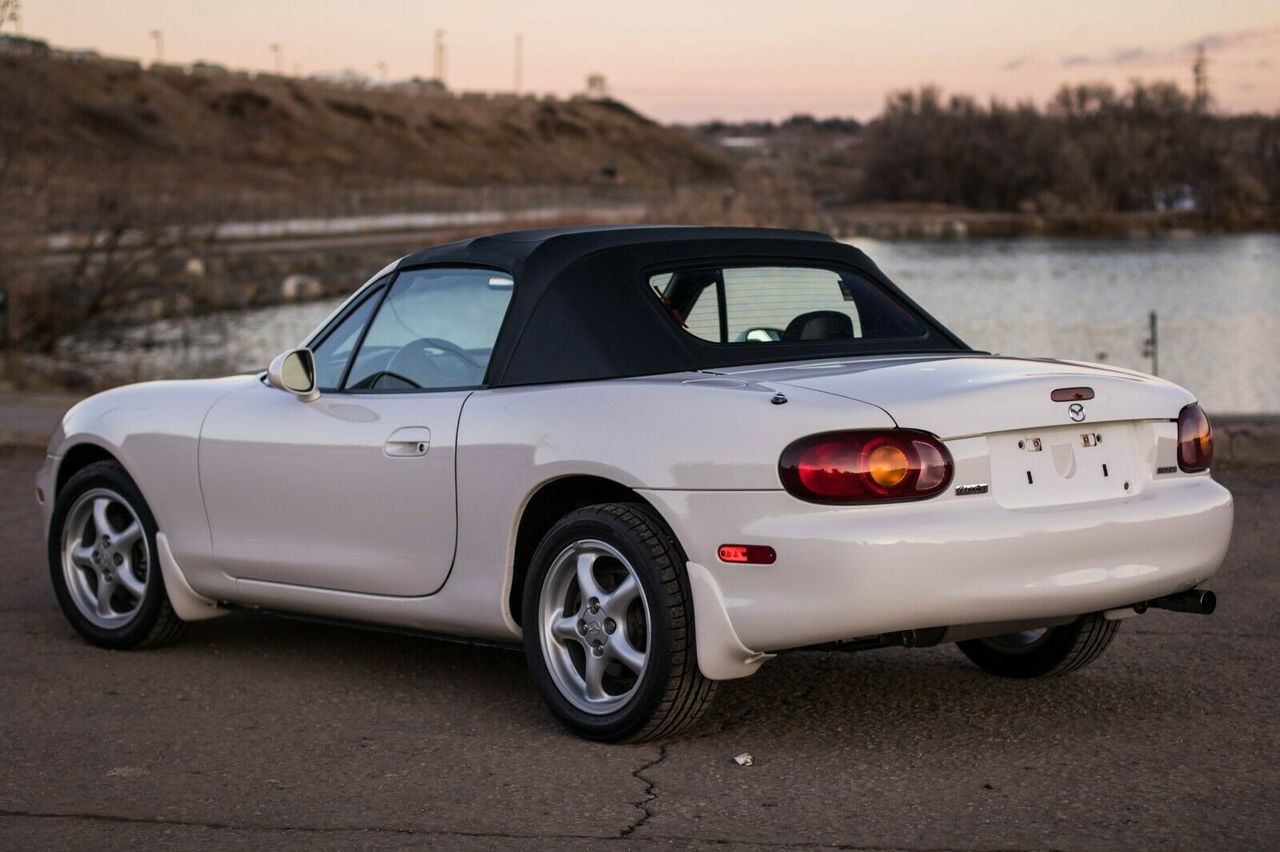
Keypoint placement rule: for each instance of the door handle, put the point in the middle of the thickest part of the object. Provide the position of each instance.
(407, 443)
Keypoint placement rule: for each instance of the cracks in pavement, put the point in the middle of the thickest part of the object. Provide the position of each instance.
(650, 793)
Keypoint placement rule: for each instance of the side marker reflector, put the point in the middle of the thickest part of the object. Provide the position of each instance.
(748, 554)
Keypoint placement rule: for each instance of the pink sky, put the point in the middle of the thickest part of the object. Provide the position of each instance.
(690, 60)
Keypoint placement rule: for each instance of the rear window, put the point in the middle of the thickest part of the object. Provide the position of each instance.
(781, 304)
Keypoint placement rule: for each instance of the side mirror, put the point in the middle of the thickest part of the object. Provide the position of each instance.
(295, 371)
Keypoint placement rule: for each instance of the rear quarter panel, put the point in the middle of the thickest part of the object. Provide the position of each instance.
(682, 432)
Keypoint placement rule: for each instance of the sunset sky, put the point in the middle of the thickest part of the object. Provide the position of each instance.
(690, 60)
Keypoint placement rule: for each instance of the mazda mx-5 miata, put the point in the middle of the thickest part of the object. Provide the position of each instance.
(656, 456)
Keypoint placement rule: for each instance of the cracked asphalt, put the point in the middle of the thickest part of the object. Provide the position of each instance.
(263, 733)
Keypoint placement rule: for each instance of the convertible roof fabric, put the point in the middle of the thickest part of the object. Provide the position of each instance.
(582, 308)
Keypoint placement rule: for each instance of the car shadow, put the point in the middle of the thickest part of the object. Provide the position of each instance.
(799, 692)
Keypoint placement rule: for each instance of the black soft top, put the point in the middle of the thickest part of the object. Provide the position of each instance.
(582, 308)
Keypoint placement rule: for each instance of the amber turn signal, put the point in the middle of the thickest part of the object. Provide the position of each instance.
(865, 466)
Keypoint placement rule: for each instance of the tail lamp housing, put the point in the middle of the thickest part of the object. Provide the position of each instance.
(1195, 439)
(861, 466)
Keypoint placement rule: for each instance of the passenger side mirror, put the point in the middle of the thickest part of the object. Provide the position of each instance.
(295, 371)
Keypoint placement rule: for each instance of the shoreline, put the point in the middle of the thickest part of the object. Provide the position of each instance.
(929, 222)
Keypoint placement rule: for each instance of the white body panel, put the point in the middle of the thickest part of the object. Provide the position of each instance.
(351, 492)
(844, 572)
(310, 514)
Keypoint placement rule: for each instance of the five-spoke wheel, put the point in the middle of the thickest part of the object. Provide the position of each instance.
(105, 558)
(608, 625)
(595, 623)
(102, 559)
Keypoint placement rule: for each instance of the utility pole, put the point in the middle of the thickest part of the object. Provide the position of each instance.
(275, 48)
(1200, 73)
(158, 35)
(519, 69)
(1151, 346)
(440, 56)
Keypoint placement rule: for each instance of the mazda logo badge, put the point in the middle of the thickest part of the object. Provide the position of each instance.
(1076, 410)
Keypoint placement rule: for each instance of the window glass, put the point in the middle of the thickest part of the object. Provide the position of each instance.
(436, 329)
(334, 351)
(788, 304)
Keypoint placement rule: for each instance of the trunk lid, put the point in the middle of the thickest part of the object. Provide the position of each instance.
(959, 396)
(1007, 433)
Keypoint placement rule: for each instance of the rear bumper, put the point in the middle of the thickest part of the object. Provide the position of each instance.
(845, 572)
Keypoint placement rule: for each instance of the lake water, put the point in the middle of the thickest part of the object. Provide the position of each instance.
(1217, 299)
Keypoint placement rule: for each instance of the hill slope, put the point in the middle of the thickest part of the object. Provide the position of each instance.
(93, 123)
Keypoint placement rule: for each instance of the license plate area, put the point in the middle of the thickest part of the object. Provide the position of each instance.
(1063, 464)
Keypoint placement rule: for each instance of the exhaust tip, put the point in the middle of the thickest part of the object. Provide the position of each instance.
(1196, 601)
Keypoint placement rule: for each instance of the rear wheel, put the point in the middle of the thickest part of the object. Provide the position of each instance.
(1045, 651)
(608, 626)
(102, 561)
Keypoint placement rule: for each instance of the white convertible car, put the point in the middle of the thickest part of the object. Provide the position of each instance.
(655, 456)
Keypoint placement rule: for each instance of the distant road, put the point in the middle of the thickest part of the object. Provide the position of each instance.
(283, 235)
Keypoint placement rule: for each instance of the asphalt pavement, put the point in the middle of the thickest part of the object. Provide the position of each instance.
(256, 732)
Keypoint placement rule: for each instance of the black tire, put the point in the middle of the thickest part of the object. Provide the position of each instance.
(671, 693)
(152, 621)
(1060, 650)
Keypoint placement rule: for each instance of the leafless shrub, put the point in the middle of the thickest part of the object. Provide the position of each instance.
(761, 197)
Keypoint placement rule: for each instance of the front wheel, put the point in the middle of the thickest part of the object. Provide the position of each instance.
(102, 561)
(608, 626)
(1043, 652)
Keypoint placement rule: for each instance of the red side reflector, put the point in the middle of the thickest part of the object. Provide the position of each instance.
(754, 554)
(1071, 394)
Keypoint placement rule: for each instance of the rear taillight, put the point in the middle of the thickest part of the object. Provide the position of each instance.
(1195, 439)
(865, 467)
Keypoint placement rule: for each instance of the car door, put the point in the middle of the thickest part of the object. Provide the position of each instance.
(355, 491)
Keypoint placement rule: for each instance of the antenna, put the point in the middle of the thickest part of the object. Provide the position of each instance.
(519, 69)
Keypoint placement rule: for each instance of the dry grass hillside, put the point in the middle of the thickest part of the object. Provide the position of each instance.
(201, 139)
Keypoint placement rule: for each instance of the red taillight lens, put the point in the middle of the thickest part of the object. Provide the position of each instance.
(865, 467)
(1195, 439)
